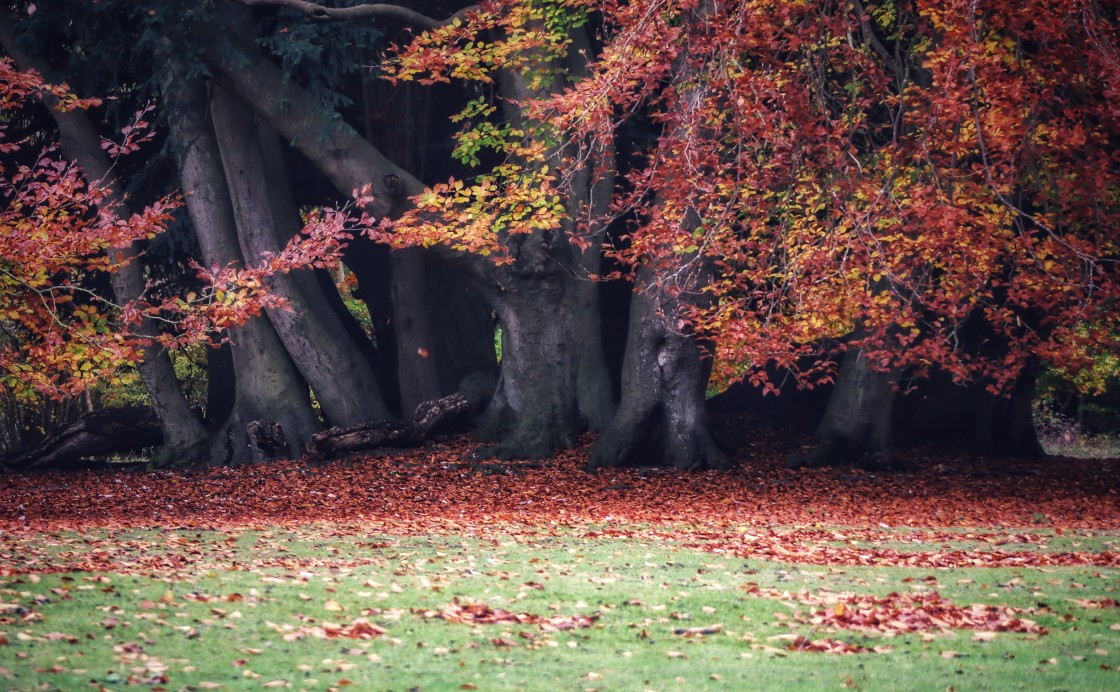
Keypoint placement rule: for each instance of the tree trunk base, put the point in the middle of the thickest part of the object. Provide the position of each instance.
(834, 452)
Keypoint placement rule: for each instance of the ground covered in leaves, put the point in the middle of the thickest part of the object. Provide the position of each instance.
(421, 569)
(435, 484)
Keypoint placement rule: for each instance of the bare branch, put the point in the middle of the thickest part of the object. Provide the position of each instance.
(392, 13)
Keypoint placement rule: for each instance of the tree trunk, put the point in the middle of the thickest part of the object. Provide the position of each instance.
(267, 386)
(591, 193)
(538, 406)
(343, 380)
(534, 411)
(661, 418)
(444, 329)
(183, 430)
(856, 428)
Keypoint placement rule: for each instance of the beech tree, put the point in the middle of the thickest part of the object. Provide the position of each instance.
(870, 178)
(87, 197)
(57, 228)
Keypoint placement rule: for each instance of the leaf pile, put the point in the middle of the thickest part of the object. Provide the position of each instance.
(432, 485)
(896, 613)
(478, 613)
(360, 628)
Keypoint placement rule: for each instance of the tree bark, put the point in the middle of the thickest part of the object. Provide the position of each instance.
(412, 432)
(535, 408)
(535, 411)
(661, 418)
(343, 380)
(93, 437)
(183, 430)
(856, 428)
(267, 385)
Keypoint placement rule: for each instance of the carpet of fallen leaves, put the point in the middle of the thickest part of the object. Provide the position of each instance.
(758, 510)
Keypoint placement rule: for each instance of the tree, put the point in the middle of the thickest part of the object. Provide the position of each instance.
(86, 198)
(553, 383)
(871, 179)
(58, 230)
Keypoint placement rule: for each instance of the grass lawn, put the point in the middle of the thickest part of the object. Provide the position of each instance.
(417, 573)
(325, 606)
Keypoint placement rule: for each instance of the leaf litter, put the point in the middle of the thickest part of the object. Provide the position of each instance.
(758, 512)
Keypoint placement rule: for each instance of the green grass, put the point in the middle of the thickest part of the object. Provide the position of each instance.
(199, 609)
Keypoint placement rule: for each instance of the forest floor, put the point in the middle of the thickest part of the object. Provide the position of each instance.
(417, 569)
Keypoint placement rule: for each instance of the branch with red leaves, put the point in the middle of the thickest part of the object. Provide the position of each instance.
(59, 230)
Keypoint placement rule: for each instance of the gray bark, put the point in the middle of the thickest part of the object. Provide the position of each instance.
(535, 409)
(267, 386)
(856, 428)
(336, 149)
(661, 418)
(428, 417)
(343, 380)
(89, 441)
(444, 330)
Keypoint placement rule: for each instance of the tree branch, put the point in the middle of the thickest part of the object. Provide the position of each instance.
(392, 13)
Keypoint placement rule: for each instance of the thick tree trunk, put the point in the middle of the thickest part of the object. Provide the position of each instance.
(183, 430)
(661, 418)
(343, 380)
(535, 409)
(538, 407)
(856, 428)
(267, 386)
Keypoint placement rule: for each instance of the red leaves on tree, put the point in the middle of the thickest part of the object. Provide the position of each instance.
(818, 170)
(58, 230)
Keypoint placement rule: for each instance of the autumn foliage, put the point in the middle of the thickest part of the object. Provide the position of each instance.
(894, 176)
(60, 231)
(55, 228)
